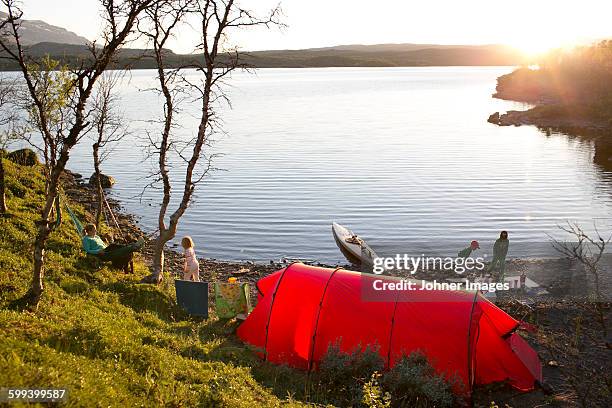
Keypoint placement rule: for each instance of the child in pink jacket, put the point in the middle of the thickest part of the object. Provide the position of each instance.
(191, 268)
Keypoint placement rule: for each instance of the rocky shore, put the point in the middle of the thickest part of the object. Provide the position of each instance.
(544, 120)
(560, 276)
(80, 191)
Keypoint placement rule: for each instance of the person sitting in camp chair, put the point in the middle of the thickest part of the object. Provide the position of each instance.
(120, 256)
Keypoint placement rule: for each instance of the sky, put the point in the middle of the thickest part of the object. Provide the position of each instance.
(531, 25)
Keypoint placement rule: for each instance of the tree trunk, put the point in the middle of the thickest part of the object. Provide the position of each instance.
(158, 253)
(2, 188)
(158, 260)
(99, 191)
(44, 228)
(37, 288)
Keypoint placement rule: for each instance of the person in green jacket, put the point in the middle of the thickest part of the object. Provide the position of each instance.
(120, 255)
(500, 250)
(92, 243)
(466, 252)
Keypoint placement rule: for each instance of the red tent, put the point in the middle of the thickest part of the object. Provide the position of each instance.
(303, 309)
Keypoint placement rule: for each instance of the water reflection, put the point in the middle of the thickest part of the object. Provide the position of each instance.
(597, 139)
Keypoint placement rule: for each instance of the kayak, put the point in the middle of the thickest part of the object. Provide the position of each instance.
(353, 247)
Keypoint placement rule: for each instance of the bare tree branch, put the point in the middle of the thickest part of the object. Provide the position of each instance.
(120, 17)
(217, 18)
(588, 251)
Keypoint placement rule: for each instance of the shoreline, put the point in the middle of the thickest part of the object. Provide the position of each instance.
(78, 190)
(549, 111)
(560, 276)
(535, 117)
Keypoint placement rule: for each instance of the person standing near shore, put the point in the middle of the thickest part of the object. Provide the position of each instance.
(191, 268)
(500, 250)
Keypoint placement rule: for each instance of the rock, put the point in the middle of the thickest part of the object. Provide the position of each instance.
(494, 118)
(23, 157)
(106, 181)
(513, 118)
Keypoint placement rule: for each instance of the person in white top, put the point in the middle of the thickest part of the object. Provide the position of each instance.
(191, 268)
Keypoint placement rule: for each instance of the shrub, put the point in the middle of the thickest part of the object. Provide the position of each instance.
(355, 379)
(24, 157)
(413, 382)
(342, 375)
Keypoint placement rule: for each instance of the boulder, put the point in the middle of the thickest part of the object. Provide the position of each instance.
(514, 118)
(23, 157)
(106, 181)
(494, 118)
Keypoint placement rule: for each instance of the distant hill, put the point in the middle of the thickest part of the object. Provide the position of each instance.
(387, 55)
(382, 55)
(36, 31)
(42, 39)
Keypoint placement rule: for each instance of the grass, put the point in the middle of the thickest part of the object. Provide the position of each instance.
(107, 339)
(113, 342)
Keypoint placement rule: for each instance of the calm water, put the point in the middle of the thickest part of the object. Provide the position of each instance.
(403, 156)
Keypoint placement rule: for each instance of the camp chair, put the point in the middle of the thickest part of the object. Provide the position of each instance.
(192, 297)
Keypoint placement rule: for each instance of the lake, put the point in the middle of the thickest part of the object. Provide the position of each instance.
(403, 156)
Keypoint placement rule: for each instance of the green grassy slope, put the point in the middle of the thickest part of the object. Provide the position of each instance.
(107, 339)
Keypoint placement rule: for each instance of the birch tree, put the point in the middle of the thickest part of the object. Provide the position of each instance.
(8, 131)
(214, 62)
(119, 20)
(109, 127)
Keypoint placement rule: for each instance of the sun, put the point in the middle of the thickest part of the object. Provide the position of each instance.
(535, 44)
(535, 48)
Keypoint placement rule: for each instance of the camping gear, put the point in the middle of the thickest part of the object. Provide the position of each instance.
(112, 214)
(232, 298)
(192, 297)
(119, 255)
(78, 225)
(353, 247)
(526, 284)
(303, 309)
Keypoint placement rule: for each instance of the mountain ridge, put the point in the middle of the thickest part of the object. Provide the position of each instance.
(37, 31)
(40, 39)
(391, 55)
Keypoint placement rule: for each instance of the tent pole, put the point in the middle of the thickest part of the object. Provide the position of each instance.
(469, 344)
(316, 325)
(272, 308)
(391, 331)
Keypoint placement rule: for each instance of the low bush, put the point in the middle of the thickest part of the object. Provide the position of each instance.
(358, 379)
(341, 375)
(413, 382)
